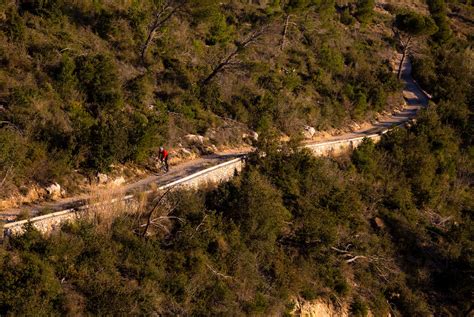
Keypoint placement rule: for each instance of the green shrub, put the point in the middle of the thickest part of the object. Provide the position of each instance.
(365, 10)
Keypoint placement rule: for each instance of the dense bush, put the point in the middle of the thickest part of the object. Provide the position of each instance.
(387, 229)
(76, 81)
(287, 226)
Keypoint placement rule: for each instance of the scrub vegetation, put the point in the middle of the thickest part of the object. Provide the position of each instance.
(86, 84)
(388, 228)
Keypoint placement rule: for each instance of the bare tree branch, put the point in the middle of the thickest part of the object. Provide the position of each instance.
(6, 175)
(229, 59)
(162, 15)
(355, 258)
(150, 214)
(218, 273)
(199, 226)
(285, 30)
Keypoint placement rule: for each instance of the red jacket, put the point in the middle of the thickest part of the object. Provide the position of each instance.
(163, 154)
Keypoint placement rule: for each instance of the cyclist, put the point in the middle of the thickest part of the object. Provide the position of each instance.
(163, 157)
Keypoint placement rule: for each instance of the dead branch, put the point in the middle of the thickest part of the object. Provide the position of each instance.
(162, 226)
(6, 175)
(350, 257)
(162, 218)
(218, 273)
(150, 214)
(12, 125)
(229, 59)
(342, 251)
(353, 259)
(202, 222)
(199, 226)
(162, 15)
(285, 30)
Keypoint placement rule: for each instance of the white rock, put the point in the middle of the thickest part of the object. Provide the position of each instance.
(308, 132)
(103, 178)
(118, 181)
(185, 151)
(193, 138)
(54, 190)
(211, 149)
(250, 136)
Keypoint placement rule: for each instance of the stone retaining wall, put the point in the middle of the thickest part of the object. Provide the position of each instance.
(48, 223)
(340, 146)
(215, 174)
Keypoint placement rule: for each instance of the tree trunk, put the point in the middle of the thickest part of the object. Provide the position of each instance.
(147, 44)
(163, 15)
(285, 30)
(220, 67)
(400, 67)
(405, 52)
(148, 222)
(230, 57)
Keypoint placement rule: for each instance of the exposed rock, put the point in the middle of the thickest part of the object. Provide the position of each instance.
(354, 126)
(102, 178)
(308, 132)
(118, 181)
(211, 133)
(211, 149)
(379, 223)
(185, 151)
(250, 137)
(194, 138)
(318, 308)
(36, 193)
(54, 191)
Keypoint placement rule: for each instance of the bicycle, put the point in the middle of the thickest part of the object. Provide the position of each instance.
(160, 168)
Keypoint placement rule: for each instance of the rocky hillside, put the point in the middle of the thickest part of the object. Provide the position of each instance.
(387, 231)
(87, 84)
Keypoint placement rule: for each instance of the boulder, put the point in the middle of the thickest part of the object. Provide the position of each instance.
(118, 181)
(308, 132)
(378, 223)
(194, 138)
(211, 149)
(185, 151)
(102, 178)
(251, 136)
(54, 190)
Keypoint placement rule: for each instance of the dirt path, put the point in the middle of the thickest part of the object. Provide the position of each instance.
(176, 172)
(414, 96)
(415, 99)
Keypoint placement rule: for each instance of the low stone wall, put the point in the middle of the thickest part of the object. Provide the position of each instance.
(48, 223)
(215, 174)
(340, 146)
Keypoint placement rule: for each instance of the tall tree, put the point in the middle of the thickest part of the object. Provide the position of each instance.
(408, 26)
(438, 11)
(231, 58)
(365, 10)
(164, 10)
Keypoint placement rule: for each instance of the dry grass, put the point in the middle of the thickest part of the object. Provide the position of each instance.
(105, 206)
(109, 204)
